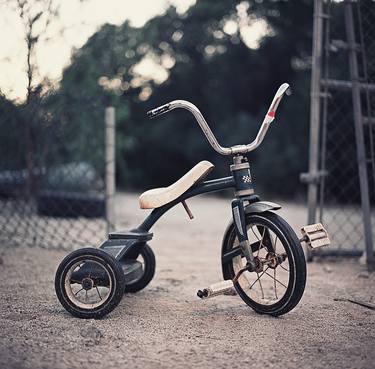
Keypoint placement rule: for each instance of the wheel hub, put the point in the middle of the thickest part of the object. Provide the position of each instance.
(273, 260)
(258, 265)
(87, 283)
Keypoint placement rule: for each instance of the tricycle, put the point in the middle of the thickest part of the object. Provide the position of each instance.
(261, 256)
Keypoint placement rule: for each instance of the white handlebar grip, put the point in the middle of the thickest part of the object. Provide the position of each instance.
(270, 116)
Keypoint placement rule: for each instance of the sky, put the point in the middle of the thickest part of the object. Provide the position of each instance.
(79, 20)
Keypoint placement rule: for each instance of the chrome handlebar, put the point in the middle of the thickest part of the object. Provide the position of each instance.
(238, 149)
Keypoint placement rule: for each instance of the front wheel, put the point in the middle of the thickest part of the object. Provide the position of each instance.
(89, 283)
(279, 281)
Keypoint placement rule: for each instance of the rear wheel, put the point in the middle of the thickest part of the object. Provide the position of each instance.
(278, 284)
(89, 283)
(147, 258)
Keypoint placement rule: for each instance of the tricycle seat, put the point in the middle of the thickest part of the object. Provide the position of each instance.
(158, 197)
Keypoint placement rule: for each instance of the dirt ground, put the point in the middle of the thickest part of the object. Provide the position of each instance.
(167, 326)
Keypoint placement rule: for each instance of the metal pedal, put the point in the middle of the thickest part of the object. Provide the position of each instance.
(315, 235)
(216, 289)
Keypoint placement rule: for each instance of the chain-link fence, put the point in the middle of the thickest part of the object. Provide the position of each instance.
(52, 175)
(346, 198)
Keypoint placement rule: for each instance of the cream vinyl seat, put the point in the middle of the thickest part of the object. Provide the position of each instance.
(158, 197)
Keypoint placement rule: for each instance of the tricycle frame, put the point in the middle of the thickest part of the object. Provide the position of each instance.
(127, 244)
(240, 181)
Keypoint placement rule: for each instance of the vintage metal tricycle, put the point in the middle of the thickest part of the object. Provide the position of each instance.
(261, 256)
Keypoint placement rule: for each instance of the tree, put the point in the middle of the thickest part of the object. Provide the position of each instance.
(36, 16)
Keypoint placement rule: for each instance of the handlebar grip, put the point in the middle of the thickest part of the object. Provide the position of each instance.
(159, 111)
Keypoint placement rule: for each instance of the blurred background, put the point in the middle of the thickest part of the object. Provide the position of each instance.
(227, 57)
(64, 63)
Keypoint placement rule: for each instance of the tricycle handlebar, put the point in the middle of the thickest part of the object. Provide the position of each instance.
(238, 149)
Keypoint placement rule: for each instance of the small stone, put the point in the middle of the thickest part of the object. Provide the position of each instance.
(174, 281)
(327, 269)
(92, 335)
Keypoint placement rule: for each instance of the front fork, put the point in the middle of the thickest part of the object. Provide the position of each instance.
(238, 212)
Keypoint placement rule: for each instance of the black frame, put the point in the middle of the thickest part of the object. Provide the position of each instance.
(240, 181)
(214, 185)
(128, 244)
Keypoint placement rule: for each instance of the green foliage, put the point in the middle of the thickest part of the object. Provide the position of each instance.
(10, 142)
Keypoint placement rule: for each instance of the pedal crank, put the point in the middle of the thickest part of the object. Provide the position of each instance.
(221, 288)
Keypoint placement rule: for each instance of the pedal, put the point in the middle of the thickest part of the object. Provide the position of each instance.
(216, 289)
(315, 235)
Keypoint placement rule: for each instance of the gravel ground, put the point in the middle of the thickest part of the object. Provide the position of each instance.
(167, 326)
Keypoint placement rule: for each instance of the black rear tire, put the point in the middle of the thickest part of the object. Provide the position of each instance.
(148, 267)
(113, 281)
(296, 263)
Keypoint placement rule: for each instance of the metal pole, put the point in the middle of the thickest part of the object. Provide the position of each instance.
(360, 142)
(110, 185)
(316, 72)
(346, 85)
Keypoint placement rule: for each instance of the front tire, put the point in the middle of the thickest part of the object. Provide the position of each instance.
(264, 290)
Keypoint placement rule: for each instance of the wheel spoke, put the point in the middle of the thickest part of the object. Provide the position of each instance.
(97, 290)
(78, 292)
(260, 284)
(276, 280)
(261, 242)
(284, 268)
(259, 276)
(251, 227)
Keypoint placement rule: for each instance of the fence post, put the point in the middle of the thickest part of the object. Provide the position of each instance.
(110, 185)
(360, 140)
(312, 194)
